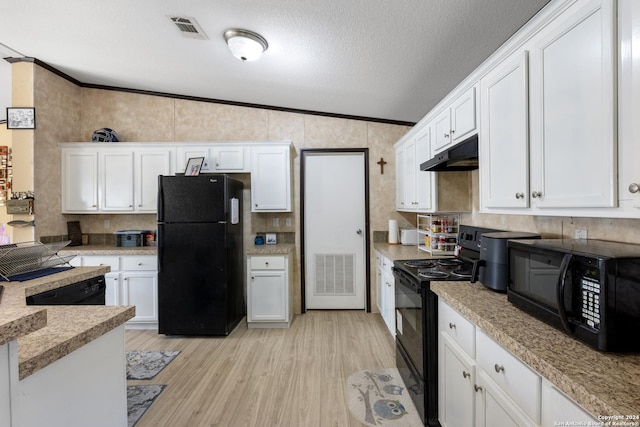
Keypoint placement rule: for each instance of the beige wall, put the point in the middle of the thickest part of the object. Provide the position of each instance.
(66, 113)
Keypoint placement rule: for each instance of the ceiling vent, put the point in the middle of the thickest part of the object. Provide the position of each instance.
(188, 27)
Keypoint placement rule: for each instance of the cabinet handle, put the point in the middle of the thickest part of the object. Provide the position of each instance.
(139, 206)
(452, 325)
(252, 277)
(256, 205)
(453, 130)
(519, 195)
(466, 374)
(446, 135)
(634, 188)
(498, 368)
(477, 387)
(536, 194)
(139, 263)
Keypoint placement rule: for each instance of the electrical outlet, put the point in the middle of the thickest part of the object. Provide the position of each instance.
(275, 222)
(287, 222)
(107, 224)
(581, 234)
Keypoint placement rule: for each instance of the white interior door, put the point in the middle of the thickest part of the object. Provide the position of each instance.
(334, 230)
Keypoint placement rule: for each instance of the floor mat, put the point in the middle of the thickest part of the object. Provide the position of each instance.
(378, 397)
(139, 399)
(144, 365)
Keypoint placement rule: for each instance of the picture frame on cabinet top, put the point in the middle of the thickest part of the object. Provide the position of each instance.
(194, 164)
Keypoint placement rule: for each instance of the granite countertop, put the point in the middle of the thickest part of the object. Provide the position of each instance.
(108, 250)
(278, 249)
(48, 333)
(602, 383)
(396, 252)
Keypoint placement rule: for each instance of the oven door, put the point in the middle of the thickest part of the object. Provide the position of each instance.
(409, 320)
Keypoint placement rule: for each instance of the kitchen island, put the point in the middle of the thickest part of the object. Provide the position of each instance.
(61, 365)
(605, 384)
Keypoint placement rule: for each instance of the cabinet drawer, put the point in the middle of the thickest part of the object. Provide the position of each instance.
(457, 327)
(144, 262)
(267, 263)
(517, 380)
(98, 261)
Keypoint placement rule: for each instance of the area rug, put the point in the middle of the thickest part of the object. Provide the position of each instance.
(139, 399)
(379, 398)
(144, 365)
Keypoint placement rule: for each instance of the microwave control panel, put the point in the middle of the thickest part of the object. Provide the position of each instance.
(590, 307)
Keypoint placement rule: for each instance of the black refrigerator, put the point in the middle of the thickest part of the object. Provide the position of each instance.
(200, 256)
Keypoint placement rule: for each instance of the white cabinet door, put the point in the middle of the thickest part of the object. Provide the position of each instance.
(463, 116)
(573, 110)
(409, 171)
(504, 152)
(401, 193)
(271, 178)
(116, 180)
(186, 152)
(267, 296)
(425, 186)
(149, 164)
(141, 289)
(557, 407)
(494, 408)
(456, 381)
(79, 181)
(113, 291)
(233, 158)
(442, 131)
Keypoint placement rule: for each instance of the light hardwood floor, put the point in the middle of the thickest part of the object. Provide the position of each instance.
(266, 377)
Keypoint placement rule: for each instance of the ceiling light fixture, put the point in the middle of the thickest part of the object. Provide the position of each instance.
(244, 44)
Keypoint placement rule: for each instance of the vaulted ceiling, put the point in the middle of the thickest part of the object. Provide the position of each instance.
(388, 60)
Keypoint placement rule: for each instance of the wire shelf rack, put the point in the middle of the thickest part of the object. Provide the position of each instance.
(27, 257)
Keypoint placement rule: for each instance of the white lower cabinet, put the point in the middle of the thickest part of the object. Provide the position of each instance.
(482, 384)
(269, 303)
(386, 298)
(133, 280)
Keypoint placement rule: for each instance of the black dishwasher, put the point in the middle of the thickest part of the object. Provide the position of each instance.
(87, 292)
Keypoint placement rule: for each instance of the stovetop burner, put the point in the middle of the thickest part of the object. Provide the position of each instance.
(420, 263)
(462, 273)
(449, 262)
(433, 274)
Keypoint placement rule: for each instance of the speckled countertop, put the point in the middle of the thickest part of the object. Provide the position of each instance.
(108, 250)
(602, 383)
(48, 333)
(279, 249)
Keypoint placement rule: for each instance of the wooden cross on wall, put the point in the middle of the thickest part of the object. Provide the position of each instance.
(382, 163)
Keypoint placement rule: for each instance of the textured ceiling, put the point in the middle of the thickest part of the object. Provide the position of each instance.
(389, 60)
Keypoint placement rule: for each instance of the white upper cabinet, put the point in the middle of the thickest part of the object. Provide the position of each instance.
(231, 157)
(573, 122)
(79, 181)
(271, 177)
(456, 122)
(548, 143)
(414, 189)
(114, 179)
(504, 132)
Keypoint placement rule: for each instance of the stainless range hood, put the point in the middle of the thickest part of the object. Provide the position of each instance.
(461, 157)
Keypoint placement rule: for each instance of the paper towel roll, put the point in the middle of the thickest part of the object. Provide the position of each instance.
(393, 232)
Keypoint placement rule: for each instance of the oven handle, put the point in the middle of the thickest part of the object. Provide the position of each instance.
(405, 280)
(560, 292)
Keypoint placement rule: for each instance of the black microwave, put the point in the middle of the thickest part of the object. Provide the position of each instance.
(588, 288)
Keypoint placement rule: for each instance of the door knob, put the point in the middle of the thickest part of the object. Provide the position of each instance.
(359, 231)
(634, 188)
(536, 194)
(519, 195)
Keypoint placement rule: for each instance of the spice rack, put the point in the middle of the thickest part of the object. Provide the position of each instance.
(438, 234)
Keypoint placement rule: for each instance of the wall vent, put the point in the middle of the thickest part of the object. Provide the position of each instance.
(188, 27)
(335, 274)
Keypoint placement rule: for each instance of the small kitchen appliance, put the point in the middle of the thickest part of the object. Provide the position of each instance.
(588, 288)
(409, 236)
(417, 317)
(492, 268)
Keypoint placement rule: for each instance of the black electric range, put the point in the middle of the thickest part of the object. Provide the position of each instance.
(417, 317)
